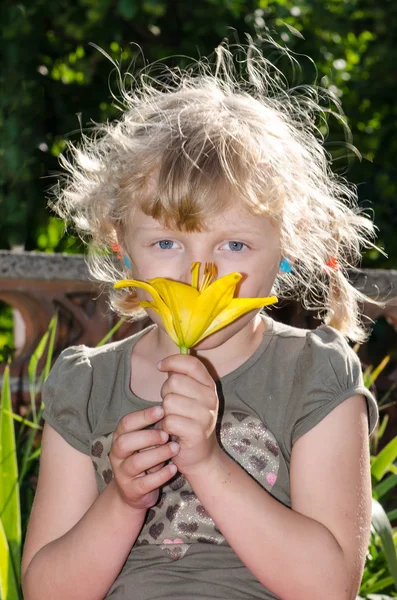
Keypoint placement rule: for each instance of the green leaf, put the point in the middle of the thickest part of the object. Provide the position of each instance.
(50, 337)
(382, 426)
(10, 514)
(392, 515)
(52, 330)
(24, 421)
(380, 585)
(371, 376)
(127, 8)
(382, 488)
(384, 460)
(32, 370)
(8, 584)
(110, 333)
(383, 528)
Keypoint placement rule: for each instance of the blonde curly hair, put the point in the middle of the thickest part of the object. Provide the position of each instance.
(190, 140)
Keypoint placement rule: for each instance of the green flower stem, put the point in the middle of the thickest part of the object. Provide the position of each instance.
(183, 350)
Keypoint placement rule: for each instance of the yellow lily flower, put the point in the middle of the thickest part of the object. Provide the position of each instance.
(191, 313)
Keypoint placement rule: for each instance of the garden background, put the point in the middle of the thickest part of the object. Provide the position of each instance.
(54, 85)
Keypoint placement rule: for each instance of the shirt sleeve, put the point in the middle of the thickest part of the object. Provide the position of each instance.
(66, 393)
(328, 372)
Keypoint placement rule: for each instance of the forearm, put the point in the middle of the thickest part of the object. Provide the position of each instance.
(294, 556)
(84, 563)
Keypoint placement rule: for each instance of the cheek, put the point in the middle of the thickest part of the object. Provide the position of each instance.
(143, 269)
(259, 281)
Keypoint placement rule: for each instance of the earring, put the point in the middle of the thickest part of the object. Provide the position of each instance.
(116, 249)
(127, 262)
(332, 263)
(285, 265)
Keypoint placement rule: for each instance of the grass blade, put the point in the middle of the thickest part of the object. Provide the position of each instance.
(384, 486)
(383, 528)
(370, 376)
(52, 328)
(23, 421)
(111, 332)
(34, 386)
(392, 515)
(384, 460)
(32, 370)
(10, 513)
(8, 584)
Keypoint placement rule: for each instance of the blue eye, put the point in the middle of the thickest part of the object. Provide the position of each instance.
(166, 244)
(236, 246)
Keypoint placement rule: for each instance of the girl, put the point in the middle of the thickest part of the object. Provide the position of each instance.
(240, 470)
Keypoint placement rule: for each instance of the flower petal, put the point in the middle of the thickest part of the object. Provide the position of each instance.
(236, 308)
(195, 275)
(212, 301)
(158, 305)
(181, 299)
(166, 317)
(141, 284)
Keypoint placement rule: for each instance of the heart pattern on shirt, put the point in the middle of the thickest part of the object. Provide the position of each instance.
(178, 519)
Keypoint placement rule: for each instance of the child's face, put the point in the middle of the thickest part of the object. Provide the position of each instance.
(235, 241)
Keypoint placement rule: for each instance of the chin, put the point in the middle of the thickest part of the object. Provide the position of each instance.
(211, 342)
(218, 338)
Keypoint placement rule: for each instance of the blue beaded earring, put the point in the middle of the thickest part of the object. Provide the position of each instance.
(285, 266)
(127, 262)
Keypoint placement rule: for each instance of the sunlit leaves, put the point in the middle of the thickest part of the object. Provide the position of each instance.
(51, 74)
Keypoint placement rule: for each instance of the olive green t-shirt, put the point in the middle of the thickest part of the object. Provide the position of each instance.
(291, 382)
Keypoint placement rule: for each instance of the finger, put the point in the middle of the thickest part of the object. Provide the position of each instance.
(152, 481)
(128, 443)
(184, 385)
(156, 468)
(138, 420)
(159, 425)
(191, 408)
(139, 462)
(188, 365)
(187, 430)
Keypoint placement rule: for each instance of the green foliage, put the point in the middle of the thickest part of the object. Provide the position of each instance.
(380, 573)
(18, 461)
(6, 332)
(10, 515)
(54, 84)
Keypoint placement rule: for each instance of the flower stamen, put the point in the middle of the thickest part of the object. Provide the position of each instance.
(209, 276)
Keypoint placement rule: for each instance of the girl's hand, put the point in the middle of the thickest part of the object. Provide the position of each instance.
(190, 404)
(137, 457)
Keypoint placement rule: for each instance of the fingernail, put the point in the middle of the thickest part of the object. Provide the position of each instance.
(159, 364)
(174, 446)
(157, 411)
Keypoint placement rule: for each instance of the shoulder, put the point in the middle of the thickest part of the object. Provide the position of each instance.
(325, 371)
(93, 354)
(315, 346)
(81, 356)
(79, 385)
(328, 359)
